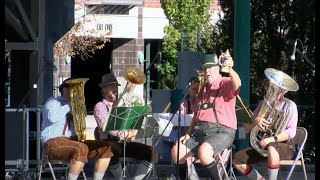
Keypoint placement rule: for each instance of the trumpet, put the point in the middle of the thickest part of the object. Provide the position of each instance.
(133, 76)
(201, 76)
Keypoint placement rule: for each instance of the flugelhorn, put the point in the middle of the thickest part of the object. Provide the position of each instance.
(134, 76)
(201, 76)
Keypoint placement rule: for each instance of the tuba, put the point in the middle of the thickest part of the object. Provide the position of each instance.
(134, 76)
(279, 84)
(79, 111)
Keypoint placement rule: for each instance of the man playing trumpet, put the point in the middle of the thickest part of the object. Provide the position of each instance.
(214, 123)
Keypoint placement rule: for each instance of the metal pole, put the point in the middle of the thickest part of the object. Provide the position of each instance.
(148, 73)
(242, 45)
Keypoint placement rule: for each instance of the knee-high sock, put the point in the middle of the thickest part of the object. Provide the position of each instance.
(143, 169)
(98, 176)
(213, 170)
(116, 170)
(252, 173)
(273, 171)
(72, 177)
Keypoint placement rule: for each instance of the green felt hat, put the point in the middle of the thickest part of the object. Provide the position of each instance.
(209, 60)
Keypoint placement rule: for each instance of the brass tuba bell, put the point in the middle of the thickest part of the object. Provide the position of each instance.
(79, 111)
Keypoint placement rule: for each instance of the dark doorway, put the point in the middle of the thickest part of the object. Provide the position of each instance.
(155, 60)
(93, 68)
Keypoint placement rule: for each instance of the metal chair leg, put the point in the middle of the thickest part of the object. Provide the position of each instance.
(84, 174)
(51, 169)
(304, 168)
(40, 172)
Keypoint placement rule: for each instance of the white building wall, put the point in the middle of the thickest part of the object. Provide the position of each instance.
(126, 26)
(154, 21)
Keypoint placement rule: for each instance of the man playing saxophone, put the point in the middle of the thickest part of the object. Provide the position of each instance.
(109, 91)
(60, 142)
(277, 146)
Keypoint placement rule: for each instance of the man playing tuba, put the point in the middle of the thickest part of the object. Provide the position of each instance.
(273, 143)
(59, 139)
(102, 110)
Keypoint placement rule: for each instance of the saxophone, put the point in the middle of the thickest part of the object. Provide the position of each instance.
(278, 116)
(79, 111)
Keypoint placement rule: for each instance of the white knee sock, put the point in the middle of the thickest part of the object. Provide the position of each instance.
(273, 172)
(192, 173)
(97, 176)
(142, 170)
(254, 174)
(72, 177)
(116, 170)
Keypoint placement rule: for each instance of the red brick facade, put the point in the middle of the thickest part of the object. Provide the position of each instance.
(152, 4)
(125, 53)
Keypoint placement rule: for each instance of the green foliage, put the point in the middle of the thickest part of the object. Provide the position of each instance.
(188, 17)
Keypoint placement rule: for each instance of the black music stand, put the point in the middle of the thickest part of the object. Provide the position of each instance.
(125, 118)
(148, 130)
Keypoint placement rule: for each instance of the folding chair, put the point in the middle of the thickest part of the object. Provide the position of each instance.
(222, 163)
(299, 140)
(64, 166)
(225, 157)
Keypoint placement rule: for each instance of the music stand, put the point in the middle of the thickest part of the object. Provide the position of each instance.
(149, 130)
(125, 118)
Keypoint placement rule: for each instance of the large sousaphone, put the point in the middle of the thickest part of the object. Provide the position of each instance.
(279, 84)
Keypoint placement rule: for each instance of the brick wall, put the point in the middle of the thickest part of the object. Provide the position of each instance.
(64, 69)
(152, 4)
(125, 52)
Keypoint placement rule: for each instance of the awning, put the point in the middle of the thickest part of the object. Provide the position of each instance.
(112, 6)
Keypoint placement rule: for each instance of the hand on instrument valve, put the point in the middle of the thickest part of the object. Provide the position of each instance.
(262, 123)
(263, 143)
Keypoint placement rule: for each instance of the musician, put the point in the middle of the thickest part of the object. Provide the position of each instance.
(109, 91)
(214, 122)
(279, 147)
(59, 140)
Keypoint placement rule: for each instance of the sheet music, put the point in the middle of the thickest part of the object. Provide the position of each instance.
(163, 119)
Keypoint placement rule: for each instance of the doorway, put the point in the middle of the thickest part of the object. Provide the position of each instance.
(93, 68)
